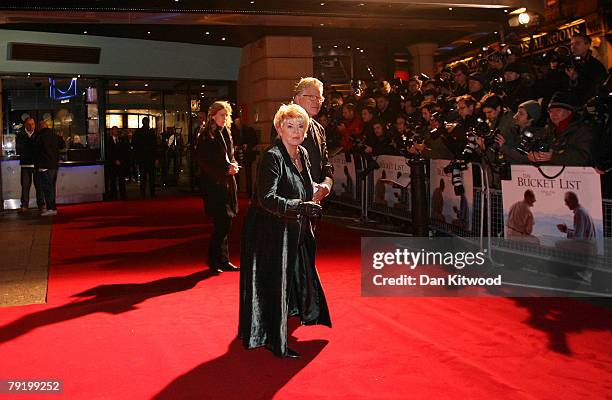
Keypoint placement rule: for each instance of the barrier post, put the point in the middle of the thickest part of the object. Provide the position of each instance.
(420, 216)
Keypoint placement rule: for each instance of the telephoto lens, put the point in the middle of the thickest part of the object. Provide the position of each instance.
(457, 180)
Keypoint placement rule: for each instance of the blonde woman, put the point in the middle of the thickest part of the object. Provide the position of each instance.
(215, 155)
(278, 278)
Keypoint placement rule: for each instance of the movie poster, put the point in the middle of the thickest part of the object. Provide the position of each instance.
(557, 208)
(345, 178)
(391, 182)
(451, 194)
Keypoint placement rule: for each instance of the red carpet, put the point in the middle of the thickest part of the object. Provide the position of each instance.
(132, 314)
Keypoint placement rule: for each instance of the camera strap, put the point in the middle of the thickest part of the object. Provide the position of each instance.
(555, 176)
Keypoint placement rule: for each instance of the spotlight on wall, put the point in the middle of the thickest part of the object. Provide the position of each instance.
(524, 18)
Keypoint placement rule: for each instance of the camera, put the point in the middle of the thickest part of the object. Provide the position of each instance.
(497, 86)
(479, 129)
(524, 146)
(529, 143)
(564, 58)
(441, 129)
(455, 168)
(358, 144)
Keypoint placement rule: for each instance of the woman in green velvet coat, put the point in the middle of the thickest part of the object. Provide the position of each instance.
(278, 278)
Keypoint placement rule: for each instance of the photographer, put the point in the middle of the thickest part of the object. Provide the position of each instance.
(435, 135)
(411, 110)
(380, 141)
(495, 66)
(585, 73)
(476, 85)
(385, 111)
(516, 89)
(571, 137)
(456, 140)
(498, 117)
(351, 126)
(599, 111)
(414, 89)
(460, 72)
(516, 145)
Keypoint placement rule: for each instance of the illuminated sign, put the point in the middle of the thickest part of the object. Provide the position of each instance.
(58, 94)
(552, 39)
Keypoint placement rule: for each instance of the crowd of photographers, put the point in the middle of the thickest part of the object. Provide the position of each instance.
(553, 110)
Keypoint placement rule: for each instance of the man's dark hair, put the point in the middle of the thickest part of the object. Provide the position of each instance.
(583, 36)
(378, 121)
(491, 100)
(369, 109)
(461, 67)
(528, 193)
(349, 106)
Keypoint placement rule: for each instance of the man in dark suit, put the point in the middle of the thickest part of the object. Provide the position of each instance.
(26, 148)
(46, 163)
(194, 175)
(117, 157)
(245, 140)
(145, 152)
(309, 95)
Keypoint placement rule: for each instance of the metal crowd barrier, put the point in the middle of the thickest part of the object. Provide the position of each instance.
(487, 223)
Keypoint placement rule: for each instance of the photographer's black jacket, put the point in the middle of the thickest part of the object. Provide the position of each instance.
(573, 147)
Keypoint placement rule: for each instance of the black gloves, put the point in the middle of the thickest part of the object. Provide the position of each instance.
(309, 209)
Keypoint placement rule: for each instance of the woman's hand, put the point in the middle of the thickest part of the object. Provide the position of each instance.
(310, 209)
(233, 169)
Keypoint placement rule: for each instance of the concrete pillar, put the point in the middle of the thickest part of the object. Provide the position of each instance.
(1, 144)
(423, 58)
(269, 69)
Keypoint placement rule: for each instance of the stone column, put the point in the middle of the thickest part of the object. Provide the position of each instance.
(1, 144)
(423, 58)
(269, 69)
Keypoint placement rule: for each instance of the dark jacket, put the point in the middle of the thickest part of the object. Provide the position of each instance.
(215, 151)
(381, 145)
(591, 74)
(145, 145)
(245, 136)
(119, 151)
(513, 139)
(277, 252)
(47, 145)
(573, 147)
(26, 148)
(517, 92)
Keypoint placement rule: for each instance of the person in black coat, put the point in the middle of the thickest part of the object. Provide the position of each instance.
(218, 166)
(46, 163)
(117, 158)
(278, 277)
(26, 148)
(245, 140)
(309, 96)
(145, 152)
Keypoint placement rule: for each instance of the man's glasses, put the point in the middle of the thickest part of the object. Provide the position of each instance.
(313, 97)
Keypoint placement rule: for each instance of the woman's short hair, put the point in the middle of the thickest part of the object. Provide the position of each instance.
(290, 111)
(215, 108)
(306, 82)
